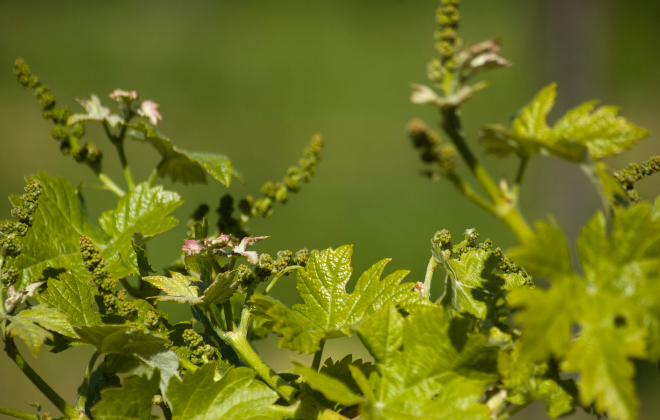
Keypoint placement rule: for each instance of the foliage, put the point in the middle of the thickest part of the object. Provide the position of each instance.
(491, 344)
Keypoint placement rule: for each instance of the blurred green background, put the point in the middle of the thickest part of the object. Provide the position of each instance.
(255, 80)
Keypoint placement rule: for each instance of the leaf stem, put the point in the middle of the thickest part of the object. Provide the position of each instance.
(152, 176)
(53, 397)
(109, 184)
(229, 315)
(466, 190)
(119, 145)
(247, 354)
(18, 414)
(245, 312)
(430, 268)
(82, 399)
(318, 356)
(512, 412)
(515, 191)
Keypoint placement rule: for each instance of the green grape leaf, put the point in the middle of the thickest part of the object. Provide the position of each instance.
(145, 210)
(52, 242)
(475, 286)
(184, 289)
(616, 305)
(141, 263)
(426, 366)
(74, 297)
(133, 400)
(238, 395)
(33, 326)
(583, 131)
(179, 164)
(329, 311)
(526, 382)
(331, 388)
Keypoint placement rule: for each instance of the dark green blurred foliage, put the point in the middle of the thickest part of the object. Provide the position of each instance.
(254, 80)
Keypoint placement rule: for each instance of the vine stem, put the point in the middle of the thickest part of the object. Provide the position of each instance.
(82, 399)
(18, 414)
(109, 184)
(318, 356)
(119, 145)
(45, 389)
(501, 207)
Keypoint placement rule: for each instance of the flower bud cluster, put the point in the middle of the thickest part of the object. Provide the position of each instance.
(442, 240)
(447, 41)
(200, 351)
(635, 172)
(273, 192)
(112, 302)
(24, 215)
(68, 136)
(433, 150)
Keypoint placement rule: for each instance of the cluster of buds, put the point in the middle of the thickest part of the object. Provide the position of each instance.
(273, 192)
(67, 135)
(635, 172)
(23, 213)
(200, 352)
(9, 246)
(447, 41)
(442, 240)
(431, 146)
(111, 301)
(198, 224)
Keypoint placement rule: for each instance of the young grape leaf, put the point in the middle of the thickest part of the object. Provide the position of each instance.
(616, 306)
(145, 210)
(179, 164)
(74, 297)
(426, 366)
(132, 401)
(238, 395)
(475, 286)
(184, 289)
(33, 326)
(329, 311)
(52, 242)
(95, 112)
(526, 382)
(584, 130)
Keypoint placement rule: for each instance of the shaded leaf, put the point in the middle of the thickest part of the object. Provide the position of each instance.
(331, 388)
(132, 401)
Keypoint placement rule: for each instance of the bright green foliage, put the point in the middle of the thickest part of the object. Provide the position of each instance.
(329, 311)
(426, 368)
(74, 297)
(615, 305)
(64, 282)
(179, 164)
(331, 388)
(133, 401)
(184, 289)
(476, 286)
(598, 132)
(526, 382)
(237, 396)
(34, 326)
(145, 210)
